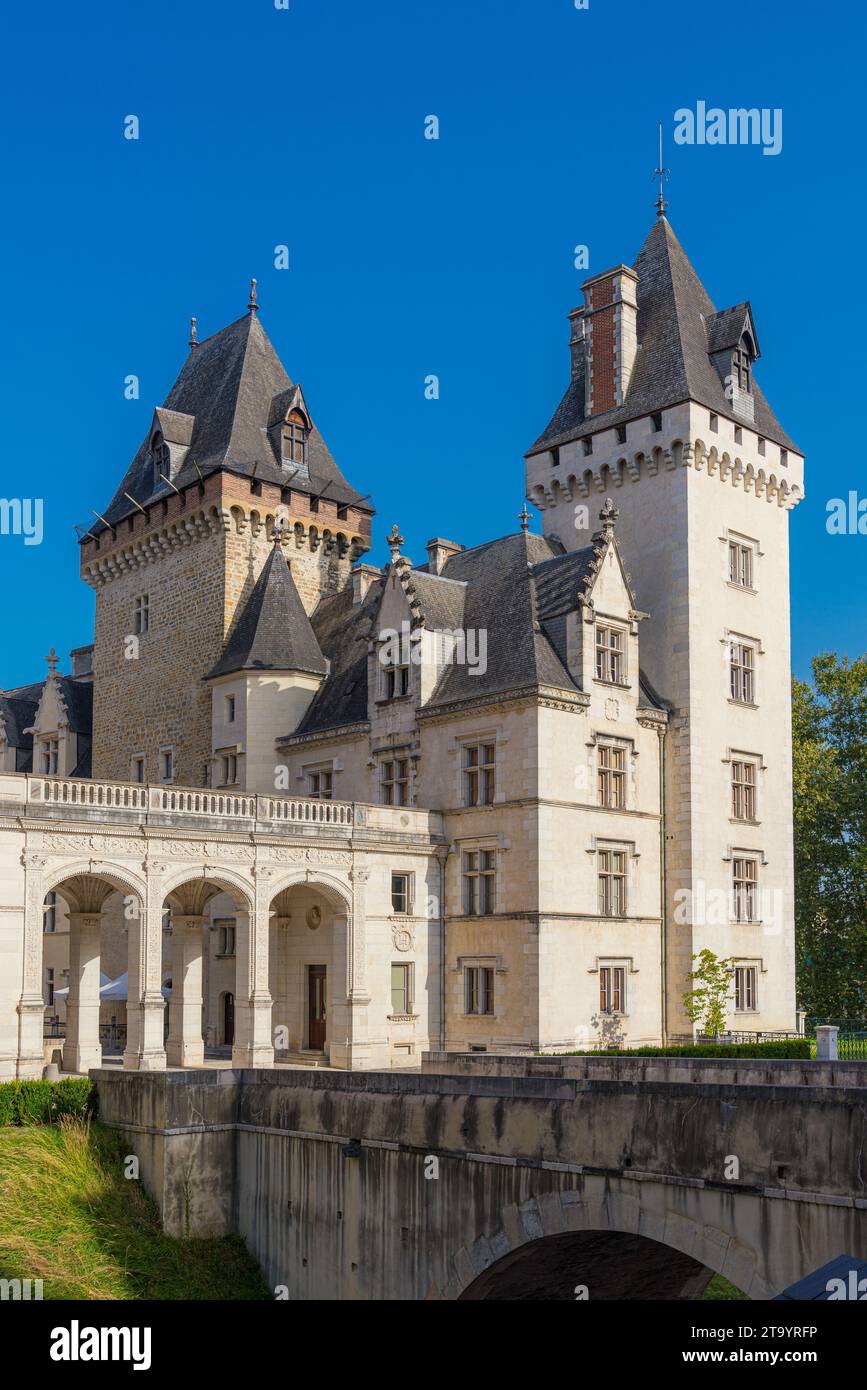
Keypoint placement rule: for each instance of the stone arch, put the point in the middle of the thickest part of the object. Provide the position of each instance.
(336, 893)
(602, 1207)
(223, 880)
(120, 880)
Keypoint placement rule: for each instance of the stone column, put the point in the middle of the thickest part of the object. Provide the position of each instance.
(826, 1043)
(186, 1046)
(280, 925)
(253, 1045)
(82, 1048)
(145, 1050)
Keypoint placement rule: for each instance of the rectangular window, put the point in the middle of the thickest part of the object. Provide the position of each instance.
(714, 422)
(479, 774)
(167, 764)
(49, 913)
(745, 882)
(761, 446)
(743, 789)
(743, 672)
(740, 565)
(480, 886)
(225, 937)
(612, 882)
(50, 756)
(395, 682)
(621, 434)
(745, 988)
(230, 709)
(394, 785)
(610, 665)
(588, 446)
(320, 784)
(141, 619)
(228, 769)
(138, 768)
(49, 988)
(400, 892)
(612, 989)
(611, 776)
(401, 989)
(656, 422)
(479, 989)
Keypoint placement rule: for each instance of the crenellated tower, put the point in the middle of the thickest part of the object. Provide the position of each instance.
(178, 551)
(663, 413)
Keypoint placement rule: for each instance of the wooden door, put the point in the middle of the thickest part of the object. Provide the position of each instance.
(316, 1007)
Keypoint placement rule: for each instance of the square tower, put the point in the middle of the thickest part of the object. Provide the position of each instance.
(704, 477)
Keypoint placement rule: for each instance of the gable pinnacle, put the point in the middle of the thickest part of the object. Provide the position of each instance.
(524, 518)
(253, 305)
(194, 341)
(394, 541)
(608, 517)
(52, 659)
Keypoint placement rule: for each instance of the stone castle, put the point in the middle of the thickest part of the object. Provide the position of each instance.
(297, 806)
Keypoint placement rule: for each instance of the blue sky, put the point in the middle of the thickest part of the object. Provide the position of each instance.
(304, 127)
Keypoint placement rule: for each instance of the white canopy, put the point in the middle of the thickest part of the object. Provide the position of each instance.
(111, 990)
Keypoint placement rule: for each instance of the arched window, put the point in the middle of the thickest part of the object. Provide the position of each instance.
(295, 440)
(742, 363)
(161, 456)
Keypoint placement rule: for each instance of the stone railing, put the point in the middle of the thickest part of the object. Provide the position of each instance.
(125, 802)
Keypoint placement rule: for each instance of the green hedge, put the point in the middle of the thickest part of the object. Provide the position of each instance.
(797, 1048)
(43, 1102)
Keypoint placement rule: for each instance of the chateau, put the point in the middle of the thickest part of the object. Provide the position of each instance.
(300, 806)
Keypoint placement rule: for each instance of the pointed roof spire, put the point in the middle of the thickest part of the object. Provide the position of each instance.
(253, 305)
(662, 173)
(194, 341)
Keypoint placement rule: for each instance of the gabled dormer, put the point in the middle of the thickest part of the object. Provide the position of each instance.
(733, 348)
(587, 607)
(171, 435)
(62, 725)
(289, 433)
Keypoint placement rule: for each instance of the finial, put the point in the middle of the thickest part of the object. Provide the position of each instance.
(194, 341)
(608, 516)
(281, 527)
(253, 305)
(524, 518)
(662, 173)
(394, 540)
(52, 659)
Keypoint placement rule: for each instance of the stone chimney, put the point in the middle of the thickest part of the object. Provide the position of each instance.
(576, 341)
(610, 319)
(362, 578)
(439, 552)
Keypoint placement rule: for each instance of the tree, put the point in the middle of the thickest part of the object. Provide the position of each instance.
(829, 763)
(706, 1002)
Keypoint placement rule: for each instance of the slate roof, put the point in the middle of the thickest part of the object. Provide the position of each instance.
(78, 698)
(273, 631)
(673, 363)
(516, 589)
(18, 711)
(232, 385)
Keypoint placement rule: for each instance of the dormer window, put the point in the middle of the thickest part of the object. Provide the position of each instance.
(742, 363)
(161, 456)
(295, 433)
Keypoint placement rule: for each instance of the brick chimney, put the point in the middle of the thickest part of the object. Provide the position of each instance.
(610, 320)
(439, 552)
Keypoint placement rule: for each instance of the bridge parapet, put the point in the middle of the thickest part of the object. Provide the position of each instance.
(724, 1071)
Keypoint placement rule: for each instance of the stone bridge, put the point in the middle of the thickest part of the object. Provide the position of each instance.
(632, 1178)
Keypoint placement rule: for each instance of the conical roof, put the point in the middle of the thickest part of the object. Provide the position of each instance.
(273, 632)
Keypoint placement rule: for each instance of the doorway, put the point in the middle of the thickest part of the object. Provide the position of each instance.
(316, 1001)
(228, 1019)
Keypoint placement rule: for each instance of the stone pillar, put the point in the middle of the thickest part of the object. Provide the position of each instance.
(349, 1044)
(280, 925)
(826, 1043)
(186, 1046)
(30, 1006)
(82, 1048)
(253, 1046)
(145, 1050)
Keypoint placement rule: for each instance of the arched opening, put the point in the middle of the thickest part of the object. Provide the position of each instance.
(594, 1265)
(307, 958)
(227, 1015)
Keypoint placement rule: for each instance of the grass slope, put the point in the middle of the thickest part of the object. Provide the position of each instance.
(69, 1217)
